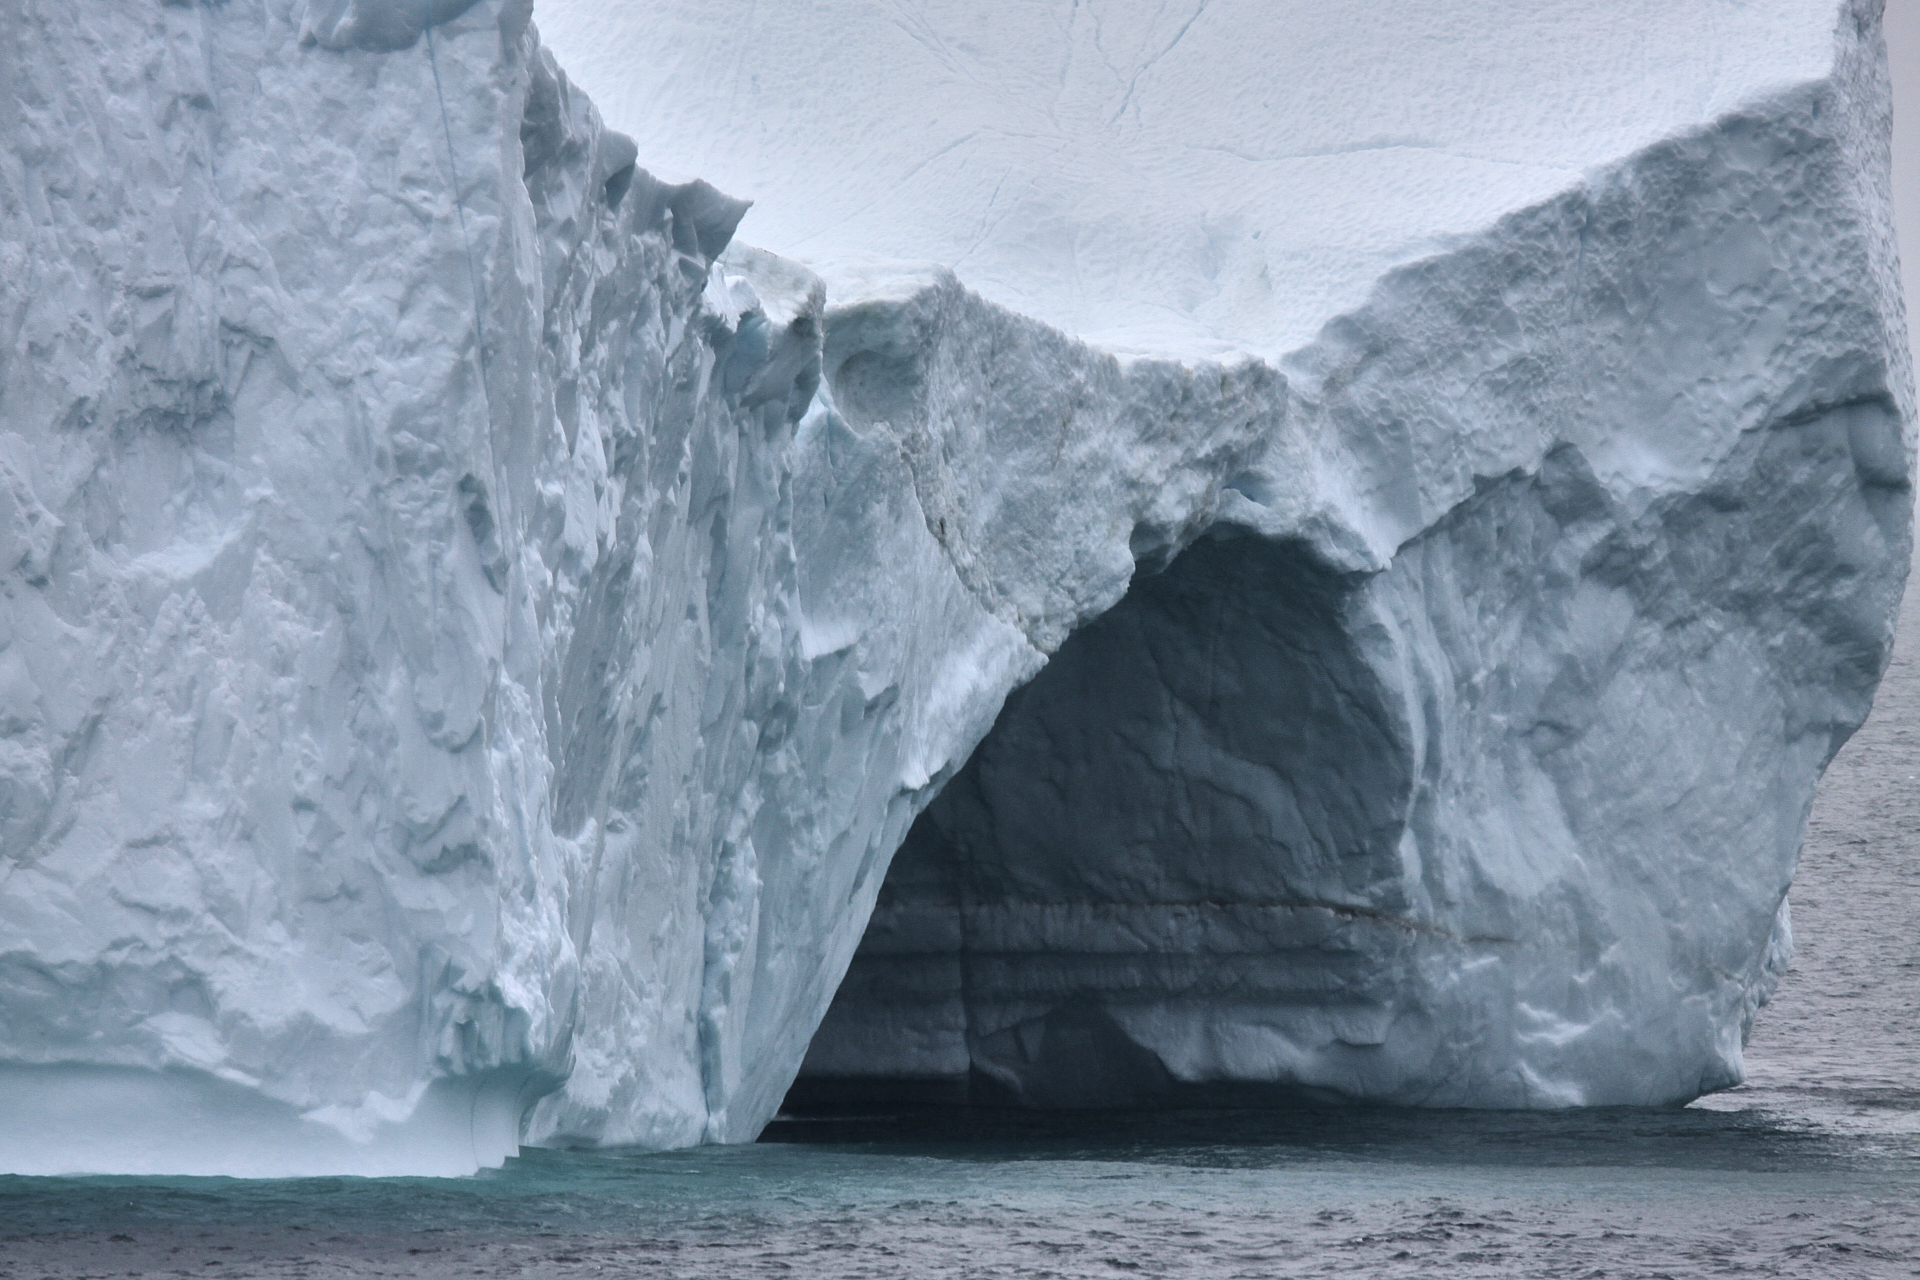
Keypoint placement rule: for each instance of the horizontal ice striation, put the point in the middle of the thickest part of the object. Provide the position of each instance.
(474, 641)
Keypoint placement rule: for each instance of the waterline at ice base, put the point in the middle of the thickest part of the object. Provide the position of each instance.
(1242, 552)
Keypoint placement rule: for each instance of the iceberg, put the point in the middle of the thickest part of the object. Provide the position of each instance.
(1215, 553)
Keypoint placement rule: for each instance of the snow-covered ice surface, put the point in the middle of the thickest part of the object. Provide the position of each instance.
(1192, 176)
(471, 650)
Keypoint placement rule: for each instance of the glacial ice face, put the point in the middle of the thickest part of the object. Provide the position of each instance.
(474, 641)
(392, 521)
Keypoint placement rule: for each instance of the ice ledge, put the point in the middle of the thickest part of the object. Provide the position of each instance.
(89, 1119)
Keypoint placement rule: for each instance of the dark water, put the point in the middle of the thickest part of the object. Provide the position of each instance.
(1812, 1169)
(1618, 1192)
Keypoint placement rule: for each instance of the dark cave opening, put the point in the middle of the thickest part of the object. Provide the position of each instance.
(1147, 858)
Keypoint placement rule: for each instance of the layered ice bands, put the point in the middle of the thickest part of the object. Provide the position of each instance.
(474, 637)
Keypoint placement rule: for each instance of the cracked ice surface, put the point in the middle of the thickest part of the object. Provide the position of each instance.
(473, 641)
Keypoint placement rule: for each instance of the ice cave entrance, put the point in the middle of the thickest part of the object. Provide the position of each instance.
(1132, 893)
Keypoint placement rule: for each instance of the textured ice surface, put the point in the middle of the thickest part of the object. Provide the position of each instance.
(398, 588)
(471, 651)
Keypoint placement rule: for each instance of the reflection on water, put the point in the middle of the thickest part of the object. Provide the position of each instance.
(1679, 1138)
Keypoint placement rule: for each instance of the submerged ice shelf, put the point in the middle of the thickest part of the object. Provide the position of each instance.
(475, 635)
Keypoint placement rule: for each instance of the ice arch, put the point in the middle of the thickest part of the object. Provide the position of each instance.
(1269, 828)
(1159, 844)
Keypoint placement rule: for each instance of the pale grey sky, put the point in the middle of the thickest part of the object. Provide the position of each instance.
(1903, 54)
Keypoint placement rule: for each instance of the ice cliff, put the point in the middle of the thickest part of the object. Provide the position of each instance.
(474, 637)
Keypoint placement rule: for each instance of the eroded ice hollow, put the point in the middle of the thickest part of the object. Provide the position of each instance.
(475, 635)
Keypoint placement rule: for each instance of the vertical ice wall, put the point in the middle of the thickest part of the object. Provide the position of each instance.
(384, 471)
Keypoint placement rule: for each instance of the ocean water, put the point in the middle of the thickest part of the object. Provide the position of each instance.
(1690, 1192)
(1810, 1169)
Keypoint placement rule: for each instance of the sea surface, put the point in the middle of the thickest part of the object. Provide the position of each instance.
(1810, 1169)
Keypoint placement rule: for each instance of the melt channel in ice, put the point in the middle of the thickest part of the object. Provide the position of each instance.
(1435, 489)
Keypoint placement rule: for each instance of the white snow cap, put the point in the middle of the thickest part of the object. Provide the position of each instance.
(1172, 176)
